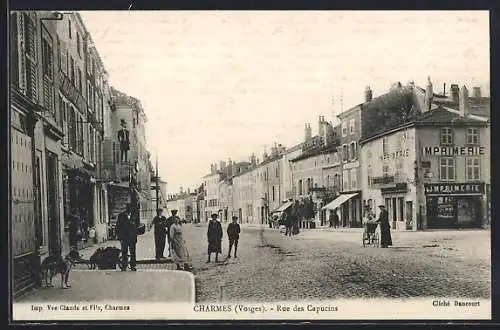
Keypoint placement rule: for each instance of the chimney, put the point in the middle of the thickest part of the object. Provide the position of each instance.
(463, 105)
(308, 133)
(477, 92)
(368, 94)
(454, 91)
(444, 89)
(429, 94)
(321, 127)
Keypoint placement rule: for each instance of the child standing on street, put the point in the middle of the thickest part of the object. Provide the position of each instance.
(233, 233)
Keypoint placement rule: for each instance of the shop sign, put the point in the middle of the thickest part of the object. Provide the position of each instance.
(454, 188)
(386, 179)
(453, 151)
(396, 154)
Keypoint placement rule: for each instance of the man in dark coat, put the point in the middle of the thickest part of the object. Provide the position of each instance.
(214, 236)
(336, 219)
(74, 228)
(126, 228)
(123, 138)
(385, 227)
(233, 233)
(160, 231)
(170, 222)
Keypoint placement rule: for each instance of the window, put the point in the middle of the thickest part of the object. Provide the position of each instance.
(472, 136)
(369, 175)
(354, 179)
(14, 51)
(385, 146)
(80, 80)
(447, 168)
(277, 174)
(274, 197)
(385, 170)
(354, 150)
(31, 58)
(345, 153)
(473, 168)
(78, 44)
(72, 70)
(69, 28)
(446, 136)
(352, 126)
(345, 180)
(344, 129)
(72, 128)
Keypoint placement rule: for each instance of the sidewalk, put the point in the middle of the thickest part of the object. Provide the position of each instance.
(146, 285)
(151, 285)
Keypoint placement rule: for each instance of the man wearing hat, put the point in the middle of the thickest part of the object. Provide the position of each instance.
(385, 227)
(123, 139)
(214, 236)
(233, 233)
(169, 223)
(126, 229)
(160, 231)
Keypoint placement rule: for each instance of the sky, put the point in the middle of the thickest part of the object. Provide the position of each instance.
(219, 84)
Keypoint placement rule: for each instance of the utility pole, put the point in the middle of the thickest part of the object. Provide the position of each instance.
(157, 184)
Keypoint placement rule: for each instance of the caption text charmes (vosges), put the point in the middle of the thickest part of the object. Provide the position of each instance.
(252, 308)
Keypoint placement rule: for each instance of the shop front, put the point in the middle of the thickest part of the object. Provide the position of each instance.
(399, 206)
(454, 205)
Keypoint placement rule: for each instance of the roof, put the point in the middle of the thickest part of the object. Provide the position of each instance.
(211, 174)
(477, 106)
(316, 152)
(438, 116)
(444, 115)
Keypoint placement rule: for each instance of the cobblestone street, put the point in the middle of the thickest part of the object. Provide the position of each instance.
(328, 264)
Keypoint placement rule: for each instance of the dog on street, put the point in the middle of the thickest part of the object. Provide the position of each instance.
(53, 265)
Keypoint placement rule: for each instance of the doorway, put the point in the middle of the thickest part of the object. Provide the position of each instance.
(53, 204)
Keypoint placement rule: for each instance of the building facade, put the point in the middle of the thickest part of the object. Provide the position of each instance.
(431, 172)
(350, 212)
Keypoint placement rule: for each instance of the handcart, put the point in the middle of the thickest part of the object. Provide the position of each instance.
(370, 234)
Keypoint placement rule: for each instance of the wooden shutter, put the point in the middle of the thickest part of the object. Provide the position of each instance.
(31, 63)
(14, 50)
(21, 49)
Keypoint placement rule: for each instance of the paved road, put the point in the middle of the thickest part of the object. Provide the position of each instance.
(326, 264)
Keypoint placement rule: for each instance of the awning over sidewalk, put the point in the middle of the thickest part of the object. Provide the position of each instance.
(338, 201)
(283, 207)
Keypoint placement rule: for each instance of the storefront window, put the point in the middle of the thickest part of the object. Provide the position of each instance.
(447, 169)
(473, 168)
(446, 136)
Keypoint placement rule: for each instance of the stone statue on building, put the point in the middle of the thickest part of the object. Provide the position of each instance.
(123, 139)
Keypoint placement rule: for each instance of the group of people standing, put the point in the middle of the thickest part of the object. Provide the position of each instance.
(290, 220)
(214, 237)
(169, 230)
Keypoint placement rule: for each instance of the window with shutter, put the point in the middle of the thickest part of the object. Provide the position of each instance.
(47, 64)
(14, 51)
(30, 55)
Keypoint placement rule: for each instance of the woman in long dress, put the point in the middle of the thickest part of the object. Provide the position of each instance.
(179, 251)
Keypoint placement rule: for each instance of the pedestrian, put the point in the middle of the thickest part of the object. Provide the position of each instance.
(170, 221)
(214, 236)
(295, 224)
(180, 253)
(126, 227)
(385, 227)
(160, 231)
(336, 220)
(84, 224)
(330, 220)
(288, 223)
(233, 233)
(75, 231)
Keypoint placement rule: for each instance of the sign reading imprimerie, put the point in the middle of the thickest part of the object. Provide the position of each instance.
(453, 151)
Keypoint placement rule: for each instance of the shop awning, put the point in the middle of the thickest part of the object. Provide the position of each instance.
(283, 207)
(338, 201)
